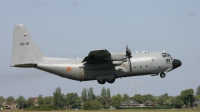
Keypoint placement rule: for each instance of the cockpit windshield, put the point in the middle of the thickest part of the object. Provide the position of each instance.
(166, 55)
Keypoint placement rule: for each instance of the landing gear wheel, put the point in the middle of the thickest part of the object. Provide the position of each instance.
(111, 81)
(101, 81)
(162, 75)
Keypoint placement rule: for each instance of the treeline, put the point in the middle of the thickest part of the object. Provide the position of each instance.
(89, 101)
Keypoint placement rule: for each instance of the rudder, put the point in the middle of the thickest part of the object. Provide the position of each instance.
(25, 52)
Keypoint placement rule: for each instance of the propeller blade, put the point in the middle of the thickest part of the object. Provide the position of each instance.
(128, 52)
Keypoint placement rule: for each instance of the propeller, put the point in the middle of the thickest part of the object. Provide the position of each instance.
(128, 55)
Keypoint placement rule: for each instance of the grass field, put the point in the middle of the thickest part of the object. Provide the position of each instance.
(125, 110)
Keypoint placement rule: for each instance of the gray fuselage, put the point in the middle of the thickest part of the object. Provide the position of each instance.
(144, 63)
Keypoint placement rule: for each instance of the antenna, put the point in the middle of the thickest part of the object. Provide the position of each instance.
(136, 85)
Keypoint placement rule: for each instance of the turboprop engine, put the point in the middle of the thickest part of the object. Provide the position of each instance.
(118, 57)
(101, 65)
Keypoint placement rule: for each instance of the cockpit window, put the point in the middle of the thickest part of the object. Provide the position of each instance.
(166, 55)
(167, 60)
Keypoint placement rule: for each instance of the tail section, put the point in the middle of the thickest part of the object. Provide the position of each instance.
(25, 52)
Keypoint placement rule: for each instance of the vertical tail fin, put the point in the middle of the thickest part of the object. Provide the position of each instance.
(25, 52)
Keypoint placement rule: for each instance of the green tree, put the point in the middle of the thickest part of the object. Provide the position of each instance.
(198, 90)
(100, 99)
(10, 100)
(40, 99)
(177, 102)
(48, 100)
(59, 99)
(105, 94)
(30, 102)
(116, 100)
(108, 93)
(161, 100)
(168, 101)
(73, 100)
(1, 101)
(92, 105)
(139, 98)
(148, 97)
(77, 103)
(84, 95)
(187, 96)
(197, 97)
(108, 96)
(125, 97)
(21, 101)
(91, 95)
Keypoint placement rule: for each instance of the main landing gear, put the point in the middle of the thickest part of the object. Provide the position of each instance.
(111, 81)
(162, 75)
(103, 81)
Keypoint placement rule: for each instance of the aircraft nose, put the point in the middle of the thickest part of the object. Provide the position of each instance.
(176, 63)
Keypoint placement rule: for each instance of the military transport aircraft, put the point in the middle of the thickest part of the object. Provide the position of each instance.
(100, 65)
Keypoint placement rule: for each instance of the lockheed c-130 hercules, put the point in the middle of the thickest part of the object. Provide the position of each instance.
(100, 65)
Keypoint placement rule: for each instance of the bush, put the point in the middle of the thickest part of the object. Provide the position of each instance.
(44, 107)
(157, 107)
(92, 105)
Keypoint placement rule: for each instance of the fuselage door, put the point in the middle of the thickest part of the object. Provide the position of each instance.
(81, 73)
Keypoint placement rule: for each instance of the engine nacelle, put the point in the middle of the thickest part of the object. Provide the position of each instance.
(118, 57)
(117, 63)
(100, 65)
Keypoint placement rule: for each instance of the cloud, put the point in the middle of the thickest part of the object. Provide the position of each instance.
(191, 14)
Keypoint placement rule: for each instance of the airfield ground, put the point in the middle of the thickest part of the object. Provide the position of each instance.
(126, 110)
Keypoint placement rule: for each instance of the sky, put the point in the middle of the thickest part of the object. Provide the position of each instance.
(72, 28)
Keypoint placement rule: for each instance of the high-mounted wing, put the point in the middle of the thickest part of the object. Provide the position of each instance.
(97, 56)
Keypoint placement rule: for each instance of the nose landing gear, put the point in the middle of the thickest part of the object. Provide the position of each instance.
(162, 75)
